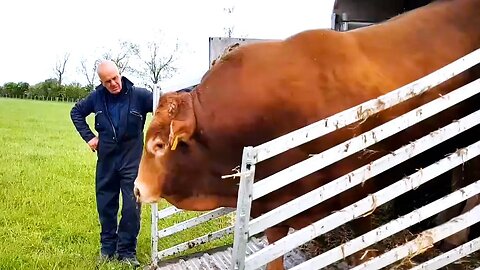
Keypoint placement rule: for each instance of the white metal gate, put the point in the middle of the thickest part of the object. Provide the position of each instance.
(245, 227)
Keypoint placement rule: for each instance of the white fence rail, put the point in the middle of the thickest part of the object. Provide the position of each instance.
(424, 241)
(158, 234)
(390, 228)
(195, 242)
(194, 222)
(450, 256)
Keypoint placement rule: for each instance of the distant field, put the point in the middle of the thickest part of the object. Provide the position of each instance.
(47, 209)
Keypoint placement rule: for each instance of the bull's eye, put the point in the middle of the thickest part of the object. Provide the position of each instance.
(183, 146)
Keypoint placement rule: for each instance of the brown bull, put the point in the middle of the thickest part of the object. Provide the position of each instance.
(261, 91)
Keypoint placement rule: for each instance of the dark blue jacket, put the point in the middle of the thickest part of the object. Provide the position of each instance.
(119, 119)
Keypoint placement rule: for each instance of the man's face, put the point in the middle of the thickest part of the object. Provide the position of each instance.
(112, 81)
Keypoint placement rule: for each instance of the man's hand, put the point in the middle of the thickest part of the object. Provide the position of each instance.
(93, 143)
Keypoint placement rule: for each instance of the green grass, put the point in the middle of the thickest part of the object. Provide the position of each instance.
(48, 218)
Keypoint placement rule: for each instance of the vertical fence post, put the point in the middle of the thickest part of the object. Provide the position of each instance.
(157, 92)
(244, 203)
(154, 242)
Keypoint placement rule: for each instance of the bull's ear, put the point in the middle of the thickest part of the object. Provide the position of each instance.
(155, 146)
(182, 123)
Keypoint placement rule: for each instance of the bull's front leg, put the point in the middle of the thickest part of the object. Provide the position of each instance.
(274, 234)
(460, 237)
(461, 176)
(360, 225)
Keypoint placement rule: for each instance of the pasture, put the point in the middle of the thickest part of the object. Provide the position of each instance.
(48, 217)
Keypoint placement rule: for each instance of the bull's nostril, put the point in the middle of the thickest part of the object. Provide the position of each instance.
(136, 192)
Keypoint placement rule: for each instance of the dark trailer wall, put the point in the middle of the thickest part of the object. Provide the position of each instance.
(351, 14)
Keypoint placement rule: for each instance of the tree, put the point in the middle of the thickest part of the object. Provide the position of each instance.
(228, 30)
(158, 66)
(60, 68)
(22, 88)
(16, 89)
(122, 56)
(89, 70)
(76, 91)
(10, 88)
(229, 20)
(47, 88)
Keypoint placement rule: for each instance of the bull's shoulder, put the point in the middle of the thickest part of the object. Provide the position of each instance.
(324, 44)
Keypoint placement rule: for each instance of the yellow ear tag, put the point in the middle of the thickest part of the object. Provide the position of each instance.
(175, 142)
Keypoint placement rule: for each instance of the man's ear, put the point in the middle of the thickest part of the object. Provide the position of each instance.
(182, 123)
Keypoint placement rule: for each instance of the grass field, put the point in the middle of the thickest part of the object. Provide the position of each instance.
(47, 209)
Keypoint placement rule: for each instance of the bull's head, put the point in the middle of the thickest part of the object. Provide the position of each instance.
(170, 130)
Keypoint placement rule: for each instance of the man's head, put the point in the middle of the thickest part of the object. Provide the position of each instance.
(109, 76)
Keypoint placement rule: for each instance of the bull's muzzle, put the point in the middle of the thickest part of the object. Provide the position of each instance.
(144, 193)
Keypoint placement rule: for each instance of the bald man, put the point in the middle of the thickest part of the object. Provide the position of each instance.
(120, 110)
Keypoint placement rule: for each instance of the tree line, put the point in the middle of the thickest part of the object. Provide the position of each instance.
(50, 89)
(152, 62)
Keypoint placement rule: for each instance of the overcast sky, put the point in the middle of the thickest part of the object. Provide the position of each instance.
(35, 34)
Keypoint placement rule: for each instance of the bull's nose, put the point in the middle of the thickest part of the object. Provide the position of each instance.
(136, 191)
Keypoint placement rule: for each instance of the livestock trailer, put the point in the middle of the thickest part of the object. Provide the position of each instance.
(352, 14)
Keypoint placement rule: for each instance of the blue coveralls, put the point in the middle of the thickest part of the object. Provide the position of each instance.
(119, 121)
